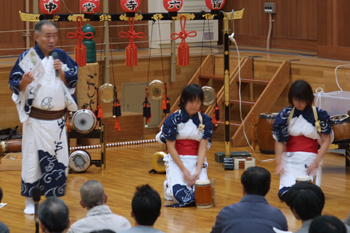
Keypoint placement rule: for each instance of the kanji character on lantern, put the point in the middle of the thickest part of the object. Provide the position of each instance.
(215, 5)
(130, 6)
(49, 7)
(89, 6)
(173, 6)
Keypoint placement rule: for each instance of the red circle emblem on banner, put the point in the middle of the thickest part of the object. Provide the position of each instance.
(173, 5)
(215, 4)
(89, 6)
(130, 5)
(49, 7)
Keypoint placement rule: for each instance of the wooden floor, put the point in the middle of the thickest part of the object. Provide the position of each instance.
(128, 166)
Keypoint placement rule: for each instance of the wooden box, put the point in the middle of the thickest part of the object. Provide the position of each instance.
(243, 162)
(11, 162)
(131, 125)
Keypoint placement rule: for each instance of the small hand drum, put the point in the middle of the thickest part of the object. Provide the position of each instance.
(156, 89)
(157, 162)
(79, 160)
(84, 121)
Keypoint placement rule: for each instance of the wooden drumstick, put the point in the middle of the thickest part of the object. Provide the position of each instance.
(213, 191)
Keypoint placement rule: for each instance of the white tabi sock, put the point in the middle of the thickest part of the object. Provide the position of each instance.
(30, 208)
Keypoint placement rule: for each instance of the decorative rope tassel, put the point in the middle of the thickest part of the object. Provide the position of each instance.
(116, 110)
(80, 49)
(147, 108)
(216, 114)
(99, 112)
(131, 49)
(183, 54)
(165, 102)
(183, 51)
(117, 125)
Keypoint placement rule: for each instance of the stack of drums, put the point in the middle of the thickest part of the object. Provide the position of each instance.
(264, 133)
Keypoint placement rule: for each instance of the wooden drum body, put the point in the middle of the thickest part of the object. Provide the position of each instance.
(264, 133)
(203, 194)
(84, 121)
(11, 145)
(341, 127)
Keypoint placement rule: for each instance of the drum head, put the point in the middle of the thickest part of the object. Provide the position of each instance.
(268, 115)
(156, 89)
(209, 95)
(107, 93)
(158, 162)
(79, 160)
(336, 119)
(84, 121)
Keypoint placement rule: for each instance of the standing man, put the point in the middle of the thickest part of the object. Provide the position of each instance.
(253, 213)
(40, 107)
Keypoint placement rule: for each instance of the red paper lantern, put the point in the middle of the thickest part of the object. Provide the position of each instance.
(172, 5)
(49, 7)
(215, 4)
(130, 6)
(89, 6)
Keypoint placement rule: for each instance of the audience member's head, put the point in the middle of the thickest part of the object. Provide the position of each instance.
(146, 205)
(327, 224)
(1, 194)
(92, 194)
(103, 231)
(54, 215)
(256, 180)
(305, 200)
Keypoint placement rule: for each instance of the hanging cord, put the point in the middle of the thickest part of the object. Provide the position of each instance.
(65, 6)
(150, 54)
(161, 50)
(201, 60)
(336, 77)
(240, 101)
(211, 52)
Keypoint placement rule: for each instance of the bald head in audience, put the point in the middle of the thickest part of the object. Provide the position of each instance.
(92, 194)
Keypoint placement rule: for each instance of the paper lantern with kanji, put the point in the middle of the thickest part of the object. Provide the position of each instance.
(49, 7)
(130, 6)
(215, 5)
(89, 6)
(172, 5)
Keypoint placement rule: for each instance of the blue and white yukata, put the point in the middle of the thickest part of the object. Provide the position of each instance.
(302, 140)
(187, 133)
(44, 145)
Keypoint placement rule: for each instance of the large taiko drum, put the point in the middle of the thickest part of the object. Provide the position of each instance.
(203, 194)
(341, 127)
(264, 133)
(84, 121)
(79, 160)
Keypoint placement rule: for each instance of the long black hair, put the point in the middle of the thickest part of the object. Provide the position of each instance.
(190, 93)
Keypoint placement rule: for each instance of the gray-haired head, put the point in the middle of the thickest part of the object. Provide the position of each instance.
(92, 194)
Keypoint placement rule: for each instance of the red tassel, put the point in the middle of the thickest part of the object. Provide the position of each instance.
(164, 102)
(148, 120)
(183, 54)
(80, 49)
(100, 113)
(117, 125)
(214, 120)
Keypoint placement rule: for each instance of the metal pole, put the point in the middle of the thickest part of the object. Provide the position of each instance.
(173, 54)
(106, 42)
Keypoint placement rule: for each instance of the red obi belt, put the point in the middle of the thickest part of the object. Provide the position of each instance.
(187, 147)
(302, 143)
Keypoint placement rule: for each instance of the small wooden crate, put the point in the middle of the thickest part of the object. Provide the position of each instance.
(11, 162)
(243, 162)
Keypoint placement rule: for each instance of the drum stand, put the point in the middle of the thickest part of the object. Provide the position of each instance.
(97, 133)
(342, 145)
